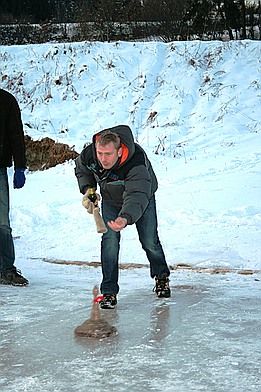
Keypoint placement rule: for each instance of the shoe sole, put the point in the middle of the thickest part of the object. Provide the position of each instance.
(4, 282)
(108, 306)
(163, 295)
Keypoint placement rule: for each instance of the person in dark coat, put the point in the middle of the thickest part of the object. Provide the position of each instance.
(12, 151)
(127, 182)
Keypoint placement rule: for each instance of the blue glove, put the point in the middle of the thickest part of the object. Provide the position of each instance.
(19, 178)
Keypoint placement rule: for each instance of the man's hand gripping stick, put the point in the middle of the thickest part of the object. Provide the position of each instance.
(90, 202)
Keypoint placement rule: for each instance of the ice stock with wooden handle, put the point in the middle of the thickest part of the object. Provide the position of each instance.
(100, 225)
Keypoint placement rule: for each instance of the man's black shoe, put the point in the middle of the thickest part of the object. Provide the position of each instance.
(162, 287)
(109, 301)
(13, 277)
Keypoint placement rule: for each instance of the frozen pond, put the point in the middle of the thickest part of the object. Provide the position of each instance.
(206, 337)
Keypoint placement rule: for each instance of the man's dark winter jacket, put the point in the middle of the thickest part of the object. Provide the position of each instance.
(12, 145)
(129, 185)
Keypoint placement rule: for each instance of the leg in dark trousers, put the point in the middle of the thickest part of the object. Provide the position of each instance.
(7, 255)
(110, 247)
(147, 227)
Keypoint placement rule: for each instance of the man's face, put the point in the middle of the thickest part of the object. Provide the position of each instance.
(108, 155)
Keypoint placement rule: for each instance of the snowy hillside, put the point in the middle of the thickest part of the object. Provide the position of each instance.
(194, 107)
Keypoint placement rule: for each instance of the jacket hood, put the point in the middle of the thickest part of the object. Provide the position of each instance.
(127, 141)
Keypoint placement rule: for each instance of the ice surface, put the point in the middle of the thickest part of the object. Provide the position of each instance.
(206, 337)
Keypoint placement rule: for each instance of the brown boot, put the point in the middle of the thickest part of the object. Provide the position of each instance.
(13, 277)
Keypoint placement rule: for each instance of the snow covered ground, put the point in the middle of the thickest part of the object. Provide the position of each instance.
(206, 134)
(195, 109)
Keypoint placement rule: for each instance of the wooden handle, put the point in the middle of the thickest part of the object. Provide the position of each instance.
(100, 225)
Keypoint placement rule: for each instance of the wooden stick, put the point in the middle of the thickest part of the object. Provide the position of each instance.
(100, 225)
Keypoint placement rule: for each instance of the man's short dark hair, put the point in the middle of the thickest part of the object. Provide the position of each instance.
(106, 137)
